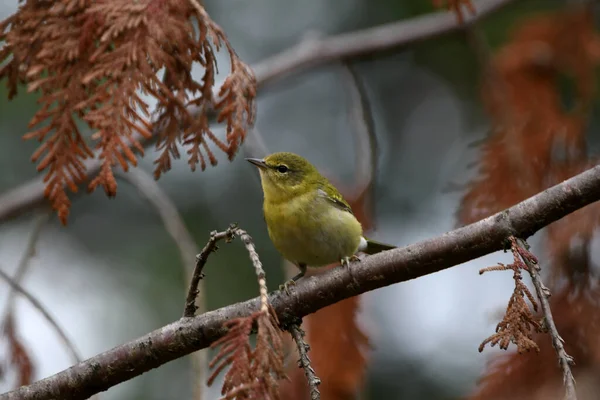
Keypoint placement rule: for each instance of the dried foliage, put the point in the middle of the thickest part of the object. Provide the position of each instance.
(568, 240)
(534, 134)
(19, 359)
(253, 373)
(519, 323)
(537, 142)
(92, 60)
(535, 376)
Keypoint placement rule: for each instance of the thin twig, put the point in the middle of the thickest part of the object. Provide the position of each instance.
(40, 307)
(258, 269)
(170, 217)
(187, 335)
(183, 239)
(305, 55)
(564, 360)
(24, 263)
(201, 259)
(304, 362)
(363, 127)
(168, 212)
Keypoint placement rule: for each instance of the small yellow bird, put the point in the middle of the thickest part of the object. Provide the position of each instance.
(308, 221)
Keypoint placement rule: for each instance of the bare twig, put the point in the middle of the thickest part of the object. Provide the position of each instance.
(201, 259)
(24, 263)
(564, 360)
(258, 269)
(307, 54)
(386, 268)
(304, 362)
(169, 215)
(319, 51)
(252, 371)
(175, 226)
(363, 127)
(40, 307)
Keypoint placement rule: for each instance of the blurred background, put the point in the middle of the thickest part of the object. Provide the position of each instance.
(114, 273)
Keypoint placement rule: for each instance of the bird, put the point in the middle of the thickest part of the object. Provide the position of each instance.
(308, 220)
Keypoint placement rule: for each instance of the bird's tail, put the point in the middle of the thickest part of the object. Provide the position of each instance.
(376, 247)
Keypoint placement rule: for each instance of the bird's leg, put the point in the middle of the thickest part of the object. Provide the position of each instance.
(292, 281)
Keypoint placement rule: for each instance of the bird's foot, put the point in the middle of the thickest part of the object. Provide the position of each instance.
(347, 260)
(346, 264)
(286, 286)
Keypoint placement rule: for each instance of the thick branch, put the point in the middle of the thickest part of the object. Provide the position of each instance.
(311, 294)
(306, 54)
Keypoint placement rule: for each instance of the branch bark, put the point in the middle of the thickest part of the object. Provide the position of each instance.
(311, 294)
(306, 54)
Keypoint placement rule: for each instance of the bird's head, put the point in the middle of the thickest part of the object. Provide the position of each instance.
(284, 175)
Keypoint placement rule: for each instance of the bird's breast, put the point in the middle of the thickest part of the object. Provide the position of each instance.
(311, 230)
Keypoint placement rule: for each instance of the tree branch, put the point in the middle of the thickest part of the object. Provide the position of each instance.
(564, 360)
(304, 362)
(176, 228)
(68, 344)
(311, 294)
(307, 54)
(201, 259)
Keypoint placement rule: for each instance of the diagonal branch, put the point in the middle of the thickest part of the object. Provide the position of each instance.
(45, 313)
(426, 257)
(307, 54)
(24, 263)
(176, 228)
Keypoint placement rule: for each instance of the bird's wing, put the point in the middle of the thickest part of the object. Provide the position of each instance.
(332, 195)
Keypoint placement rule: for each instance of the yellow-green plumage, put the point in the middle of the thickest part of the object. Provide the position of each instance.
(308, 220)
(299, 233)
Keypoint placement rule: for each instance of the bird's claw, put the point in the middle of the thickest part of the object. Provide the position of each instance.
(286, 286)
(347, 260)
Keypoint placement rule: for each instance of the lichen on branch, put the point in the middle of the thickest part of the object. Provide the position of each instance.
(91, 62)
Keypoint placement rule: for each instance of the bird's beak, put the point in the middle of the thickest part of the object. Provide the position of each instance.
(258, 162)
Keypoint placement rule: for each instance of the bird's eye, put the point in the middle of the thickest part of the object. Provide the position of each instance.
(282, 168)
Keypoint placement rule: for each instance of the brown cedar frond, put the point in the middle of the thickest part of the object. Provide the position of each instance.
(519, 324)
(91, 60)
(18, 355)
(254, 373)
(534, 376)
(533, 134)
